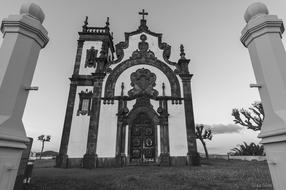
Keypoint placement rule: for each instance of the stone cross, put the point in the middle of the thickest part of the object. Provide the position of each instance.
(24, 37)
(262, 36)
(143, 13)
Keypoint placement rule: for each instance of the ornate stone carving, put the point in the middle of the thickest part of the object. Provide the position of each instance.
(143, 51)
(84, 103)
(91, 55)
(143, 28)
(183, 63)
(119, 69)
(143, 82)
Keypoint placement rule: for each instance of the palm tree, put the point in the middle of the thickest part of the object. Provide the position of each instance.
(44, 139)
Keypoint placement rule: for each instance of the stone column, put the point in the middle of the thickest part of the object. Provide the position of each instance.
(164, 134)
(119, 132)
(262, 36)
(62, 158)
(192, 155)
(90, 158)
(24, 37)
(123, 142)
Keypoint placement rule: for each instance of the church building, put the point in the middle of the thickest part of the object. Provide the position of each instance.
(142, 118)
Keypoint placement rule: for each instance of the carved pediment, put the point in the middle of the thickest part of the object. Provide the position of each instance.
(143, 82)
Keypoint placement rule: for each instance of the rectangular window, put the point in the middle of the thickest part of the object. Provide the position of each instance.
(85, 105)
(84, 102)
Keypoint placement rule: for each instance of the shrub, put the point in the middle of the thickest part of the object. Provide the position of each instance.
(248, 150)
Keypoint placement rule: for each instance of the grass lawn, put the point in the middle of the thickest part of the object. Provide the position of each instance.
(215, 174)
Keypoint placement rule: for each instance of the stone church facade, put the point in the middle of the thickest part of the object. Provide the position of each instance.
(143, 129)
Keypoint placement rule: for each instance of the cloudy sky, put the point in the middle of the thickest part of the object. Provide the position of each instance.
(210, 31)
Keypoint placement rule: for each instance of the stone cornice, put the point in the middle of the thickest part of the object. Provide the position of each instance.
(27, 26)
(13, 141)
(260, 26)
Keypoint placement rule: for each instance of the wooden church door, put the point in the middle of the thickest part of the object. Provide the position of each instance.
(142, 140)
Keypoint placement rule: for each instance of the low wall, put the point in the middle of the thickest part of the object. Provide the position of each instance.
(248, 158)
(110, 162)
(178, 160)
(74, 162)
(44, 163)
(106, 162)
(218, 156)
(102, 162)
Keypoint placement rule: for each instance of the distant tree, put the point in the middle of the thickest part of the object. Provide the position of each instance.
(248, 150)
(44, 139)
(202, 134)
(252, 118)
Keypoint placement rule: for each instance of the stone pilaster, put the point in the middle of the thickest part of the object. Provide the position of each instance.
(262, 36)
(90, 158)
(193, 157)
(62, 158)
(123, 141)
(121, 133)
(78, 57)
(24, 37)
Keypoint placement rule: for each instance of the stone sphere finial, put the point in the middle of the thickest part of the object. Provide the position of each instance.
(33, 10)
(254, 10)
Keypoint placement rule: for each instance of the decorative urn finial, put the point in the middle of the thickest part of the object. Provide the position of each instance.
(107, 22)
(254, 10)
(33, 10)
(182, 50)
(86, 21)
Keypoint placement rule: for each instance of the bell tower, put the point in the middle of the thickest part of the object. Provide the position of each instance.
(95, 51)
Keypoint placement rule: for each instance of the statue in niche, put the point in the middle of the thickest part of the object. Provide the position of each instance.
(143, 49)
(91, 55)
(143, 45)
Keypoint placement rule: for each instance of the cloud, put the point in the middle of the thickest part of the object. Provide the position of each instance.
(222, 129)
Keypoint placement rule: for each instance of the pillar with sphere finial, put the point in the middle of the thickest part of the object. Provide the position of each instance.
(23, 38)
(262, 36)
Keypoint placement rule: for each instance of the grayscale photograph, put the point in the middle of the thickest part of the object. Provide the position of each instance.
(142, 95)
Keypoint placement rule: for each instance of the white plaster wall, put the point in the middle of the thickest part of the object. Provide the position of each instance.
(126, 140)
(158, 140)
(107, 130)
(87, 45)
(79, 129)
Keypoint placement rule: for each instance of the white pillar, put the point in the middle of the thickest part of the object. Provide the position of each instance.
(262, 37)
(24, 36)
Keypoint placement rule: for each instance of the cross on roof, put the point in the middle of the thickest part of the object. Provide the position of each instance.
(143, 13)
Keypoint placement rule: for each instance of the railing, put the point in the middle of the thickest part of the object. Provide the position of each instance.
(96, 30)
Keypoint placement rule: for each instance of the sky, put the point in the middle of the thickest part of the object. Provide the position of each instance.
(210, 31)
